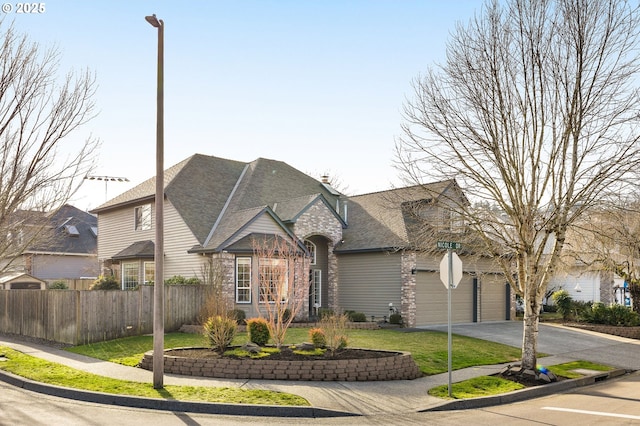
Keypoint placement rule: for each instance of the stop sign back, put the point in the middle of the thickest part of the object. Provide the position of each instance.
(456, 270)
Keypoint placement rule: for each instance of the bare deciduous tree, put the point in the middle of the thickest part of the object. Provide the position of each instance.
(535, 113)
(38, 171)
(283, 271)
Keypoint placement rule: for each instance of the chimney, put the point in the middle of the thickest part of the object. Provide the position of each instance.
(325, 179)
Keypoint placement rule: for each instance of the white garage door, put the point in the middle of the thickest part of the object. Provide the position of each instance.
(431, 300)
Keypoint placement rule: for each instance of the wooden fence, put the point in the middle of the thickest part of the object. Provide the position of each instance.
(79, 317)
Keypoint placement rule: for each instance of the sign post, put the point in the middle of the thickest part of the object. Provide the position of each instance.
(450, 275)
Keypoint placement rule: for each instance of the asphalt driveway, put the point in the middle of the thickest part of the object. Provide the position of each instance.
(559, 342)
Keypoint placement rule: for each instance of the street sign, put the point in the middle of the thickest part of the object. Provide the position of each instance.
(456, 270)
(449, 245)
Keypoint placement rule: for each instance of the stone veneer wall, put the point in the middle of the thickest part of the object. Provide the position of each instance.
(408, 288)
(399, 366)
(320, 220)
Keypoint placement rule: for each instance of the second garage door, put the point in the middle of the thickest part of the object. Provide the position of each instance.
(431, 300)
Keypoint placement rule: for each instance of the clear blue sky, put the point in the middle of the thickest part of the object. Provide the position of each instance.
(317, 84)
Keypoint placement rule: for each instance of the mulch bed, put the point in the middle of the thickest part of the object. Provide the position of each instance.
(287, 354)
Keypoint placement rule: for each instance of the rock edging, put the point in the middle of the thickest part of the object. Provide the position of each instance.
(397, 366)
(628, 332)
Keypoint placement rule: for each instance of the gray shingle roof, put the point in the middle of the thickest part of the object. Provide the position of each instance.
(137, 250)
(212, 193)
(71, 232)
(377, 220)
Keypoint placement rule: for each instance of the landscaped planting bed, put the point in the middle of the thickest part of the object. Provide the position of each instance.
(380, 365)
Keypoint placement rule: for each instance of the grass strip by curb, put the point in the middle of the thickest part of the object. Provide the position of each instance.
(492, 385)
(43, 371)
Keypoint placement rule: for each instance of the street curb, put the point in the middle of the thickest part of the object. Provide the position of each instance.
(171, 405)
(528, 393)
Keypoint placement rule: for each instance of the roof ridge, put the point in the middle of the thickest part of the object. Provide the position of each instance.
(226, 205)
(407, 188)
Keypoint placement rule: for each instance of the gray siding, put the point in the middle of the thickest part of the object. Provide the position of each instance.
(55, 267)
(117, 232)
(368, 282)
(264, 224)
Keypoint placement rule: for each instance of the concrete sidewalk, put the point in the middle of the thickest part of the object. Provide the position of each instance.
(326, 398)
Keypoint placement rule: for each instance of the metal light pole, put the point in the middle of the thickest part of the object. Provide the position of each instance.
(158, 289)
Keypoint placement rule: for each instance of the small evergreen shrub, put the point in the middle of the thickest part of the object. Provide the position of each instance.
(616, 315)
(258, 331)
(357, 317)
(395, 319)
(563, 302)
(219, 332)
(107, 282)
(317, 337)
(58, 285)
(180, 280)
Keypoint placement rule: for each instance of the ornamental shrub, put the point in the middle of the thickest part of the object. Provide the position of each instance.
(318, 338)
(395, 319)
(258, 331)
(107, 282)
(334, 328)
(616, 315)
(180, 280)
(563, 301)
(219, 332)
(58, 285)
(357, 317)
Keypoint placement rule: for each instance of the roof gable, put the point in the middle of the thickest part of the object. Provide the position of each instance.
(380, 221)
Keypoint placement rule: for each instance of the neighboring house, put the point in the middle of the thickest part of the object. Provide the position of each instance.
(361, 250)
(585, 285)
(59, 245)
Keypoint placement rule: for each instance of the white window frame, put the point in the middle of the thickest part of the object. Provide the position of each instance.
(316, 287)
(311, 247)
(126, 276)
(149, 279)
(142, 217)
(243, 281)
(266, 266)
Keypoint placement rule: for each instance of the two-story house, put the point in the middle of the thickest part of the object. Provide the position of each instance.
(362, 250)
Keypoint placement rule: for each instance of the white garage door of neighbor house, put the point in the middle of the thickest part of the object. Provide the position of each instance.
(493, 298)
(431, 300)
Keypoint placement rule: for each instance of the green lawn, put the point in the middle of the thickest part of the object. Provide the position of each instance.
(428, 348)
(56, 374)
(491, 385)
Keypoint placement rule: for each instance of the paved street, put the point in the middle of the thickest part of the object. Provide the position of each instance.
(611, 403)
(395, 402)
